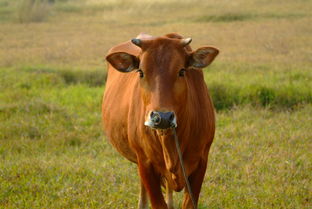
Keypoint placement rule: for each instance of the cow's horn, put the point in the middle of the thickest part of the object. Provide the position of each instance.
(186, 41)
(137, 42)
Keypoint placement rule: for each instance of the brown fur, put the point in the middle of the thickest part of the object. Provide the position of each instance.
(128, 99)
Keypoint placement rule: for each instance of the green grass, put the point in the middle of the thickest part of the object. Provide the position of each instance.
(53, 153)
(269, 169)
(263, 85)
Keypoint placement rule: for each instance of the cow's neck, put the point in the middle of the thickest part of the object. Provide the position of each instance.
(169, 151)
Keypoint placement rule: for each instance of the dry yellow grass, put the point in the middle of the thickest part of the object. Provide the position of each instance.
(266, 32)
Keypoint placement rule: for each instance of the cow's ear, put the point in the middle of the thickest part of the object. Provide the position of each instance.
(123, 62)
(203, 56)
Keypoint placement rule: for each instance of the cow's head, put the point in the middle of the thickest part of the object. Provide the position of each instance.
(163, 69)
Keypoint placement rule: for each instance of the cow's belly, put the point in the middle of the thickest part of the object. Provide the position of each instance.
(115, 128)
(119, 139)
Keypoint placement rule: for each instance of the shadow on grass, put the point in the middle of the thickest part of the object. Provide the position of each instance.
(235, 17)
(92, 78)
(225, 97)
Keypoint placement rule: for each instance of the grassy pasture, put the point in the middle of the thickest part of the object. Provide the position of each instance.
(52, 76)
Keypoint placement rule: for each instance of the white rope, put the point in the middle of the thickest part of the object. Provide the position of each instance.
(183, 168)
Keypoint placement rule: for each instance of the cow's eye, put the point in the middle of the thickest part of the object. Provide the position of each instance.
(182, 72)
(140, 73)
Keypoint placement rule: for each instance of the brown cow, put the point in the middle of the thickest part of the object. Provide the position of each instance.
(155, 85)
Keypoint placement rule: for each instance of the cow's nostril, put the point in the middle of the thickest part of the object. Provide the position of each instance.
(155, 118)
(171, 116)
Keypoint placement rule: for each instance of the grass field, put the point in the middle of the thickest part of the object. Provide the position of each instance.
(53, 153)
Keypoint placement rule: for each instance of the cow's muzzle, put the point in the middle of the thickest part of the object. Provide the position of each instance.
(161, 120)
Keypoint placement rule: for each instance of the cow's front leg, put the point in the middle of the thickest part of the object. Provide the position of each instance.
(143, 201)
(169, 196)
(151, 182)
(196, 180)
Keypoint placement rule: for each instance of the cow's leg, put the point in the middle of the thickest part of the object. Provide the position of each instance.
(143, 201)
(196, 180)
(151, 182)
(169, 197)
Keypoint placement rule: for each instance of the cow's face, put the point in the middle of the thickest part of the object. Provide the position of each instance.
(162, 71)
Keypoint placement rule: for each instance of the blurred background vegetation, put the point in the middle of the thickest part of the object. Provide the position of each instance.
(52, 77)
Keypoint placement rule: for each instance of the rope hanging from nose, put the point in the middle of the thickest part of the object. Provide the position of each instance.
(183, 168)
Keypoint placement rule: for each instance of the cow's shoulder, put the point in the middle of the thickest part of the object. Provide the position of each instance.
(174, 35)
(145, 36)
(129, 47)
(178, 36)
